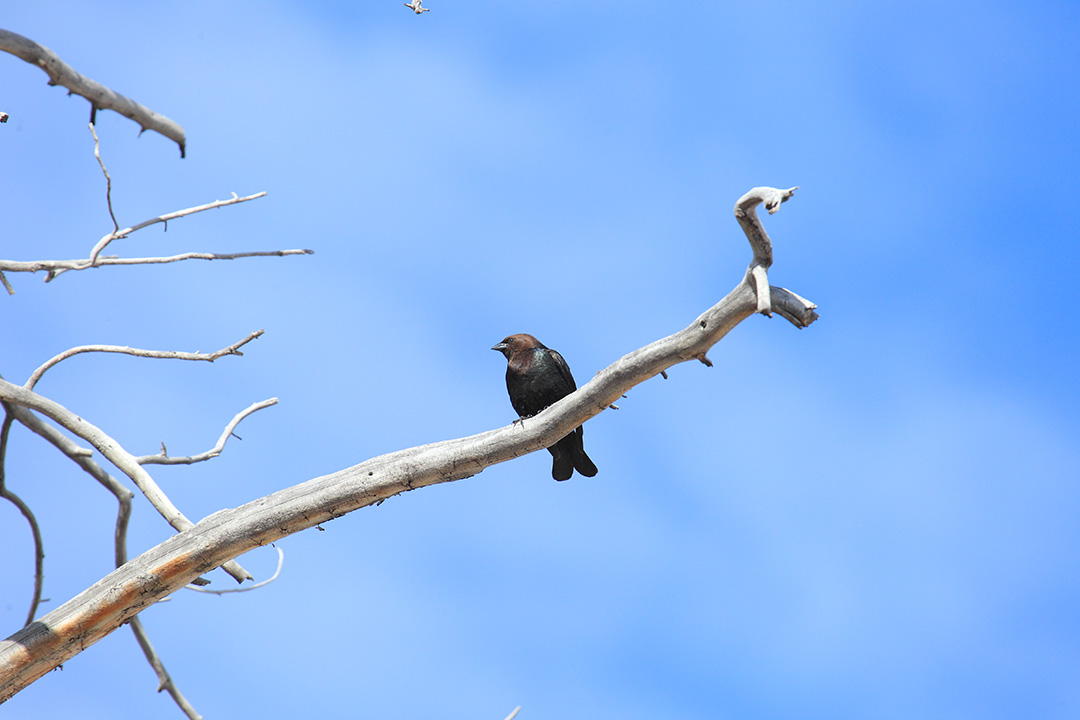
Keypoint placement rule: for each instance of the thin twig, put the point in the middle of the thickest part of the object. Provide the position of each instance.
(233, 349)
(7, 285)
(165, 681)
(249, 588)
(108, 180)
(60, 267)
(513, 713)
(163, 458)
(39, 548)
(118, 233)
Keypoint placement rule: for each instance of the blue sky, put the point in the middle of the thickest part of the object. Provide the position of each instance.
(873, 517)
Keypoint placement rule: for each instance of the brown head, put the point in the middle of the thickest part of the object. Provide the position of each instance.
(517, 343)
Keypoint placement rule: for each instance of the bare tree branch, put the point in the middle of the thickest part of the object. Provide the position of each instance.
(108, 179)
(59, 267)
(233, 349)
(513, 713)
(249, 588)
(117, 233)
(797, 310)
(35, 530)
(80, 455)
(54, 268)
(165, 681)
(163, 569)
(123, 498)
(746, 214)
(115, 453)
(102, 97)
(60, 73)
(163, 458)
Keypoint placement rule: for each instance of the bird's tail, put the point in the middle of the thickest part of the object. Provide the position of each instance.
(582, 463)
(562, 467)
(569, 455)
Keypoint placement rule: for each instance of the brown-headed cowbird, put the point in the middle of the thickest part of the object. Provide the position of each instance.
(536, 377)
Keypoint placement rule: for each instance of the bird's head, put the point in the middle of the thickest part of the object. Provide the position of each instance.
(516, 343)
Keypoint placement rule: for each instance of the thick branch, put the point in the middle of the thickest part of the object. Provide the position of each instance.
(162, 570)
(60, 73)
(797, 310)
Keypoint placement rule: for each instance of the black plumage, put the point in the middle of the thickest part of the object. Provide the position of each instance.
(536, 377)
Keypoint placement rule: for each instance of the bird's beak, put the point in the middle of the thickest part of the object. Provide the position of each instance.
(501, 347)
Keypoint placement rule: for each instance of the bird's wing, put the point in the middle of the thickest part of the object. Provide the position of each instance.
(564, 369)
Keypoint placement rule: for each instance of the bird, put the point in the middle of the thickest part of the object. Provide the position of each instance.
(537, 377)
(415, 5)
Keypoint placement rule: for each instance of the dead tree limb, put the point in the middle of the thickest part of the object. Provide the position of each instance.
(35, 529)
(114, 452)
(123, 496)
(164, 569)
(56, 267)
(163, 457)
(246, 588)
(118, 233)
(53, 268)
(100, 97)
(233, 349)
